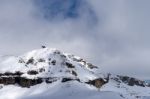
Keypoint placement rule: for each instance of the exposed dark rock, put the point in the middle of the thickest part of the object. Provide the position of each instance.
(21, 81)
(30, 61)
(69, 65)
(69, 79)
(24, 82)
(49, 63)
(21, 60)
(57, 52)
(66, 79)
(54, 62)
(41, 70)
(63, 56)
(132, 81)
(76, 59)
(108, 77)
(32, 72)
(97, 82)
(74, 73)
(17, 73)
(91, 66)
(116, 79)
(49, 59)
(50, 80)
(8, 74)
(7, 80)
(41, 60)
(43, 46)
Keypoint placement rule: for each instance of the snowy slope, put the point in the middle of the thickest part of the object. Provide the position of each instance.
(68, 76)
(126, 91)
(52, 62)
(69, 90)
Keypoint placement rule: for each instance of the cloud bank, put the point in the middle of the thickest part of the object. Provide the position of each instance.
(113, 34)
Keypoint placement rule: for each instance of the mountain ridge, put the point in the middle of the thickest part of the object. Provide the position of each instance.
(51, 66)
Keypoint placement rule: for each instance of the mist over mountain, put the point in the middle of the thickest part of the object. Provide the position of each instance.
(110, 36)
(113, 34)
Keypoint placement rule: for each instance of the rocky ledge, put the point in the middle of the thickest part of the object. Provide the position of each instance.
(17, 79)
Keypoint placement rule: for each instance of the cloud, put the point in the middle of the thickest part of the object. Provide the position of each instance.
(113, 34)
(123, 36)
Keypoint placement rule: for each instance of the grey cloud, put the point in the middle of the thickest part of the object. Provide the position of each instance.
(113, 34)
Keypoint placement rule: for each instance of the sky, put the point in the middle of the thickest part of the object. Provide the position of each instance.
(112, 34)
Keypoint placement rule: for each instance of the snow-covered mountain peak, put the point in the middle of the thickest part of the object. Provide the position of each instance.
(47, 62)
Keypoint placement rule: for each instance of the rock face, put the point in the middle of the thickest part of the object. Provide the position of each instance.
(69, 79)
(26, 82)
(32, 72)
(17, 73)
(129, 81)
(98, 83)
(21, 81)
(132, 81)
(8, 78)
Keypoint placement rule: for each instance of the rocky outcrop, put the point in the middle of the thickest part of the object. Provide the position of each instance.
(30, 61)
(32, 72)
(69, 79)
(25, 82)
(9, 78)
(16, 78)
(21, 81)
(132, 81)
(17, 73)
(129, 81)
(98, 83)
(91, 66)
(69, 65)
(53, 62)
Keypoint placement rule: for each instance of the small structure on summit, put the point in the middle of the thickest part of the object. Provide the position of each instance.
(43, 46)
